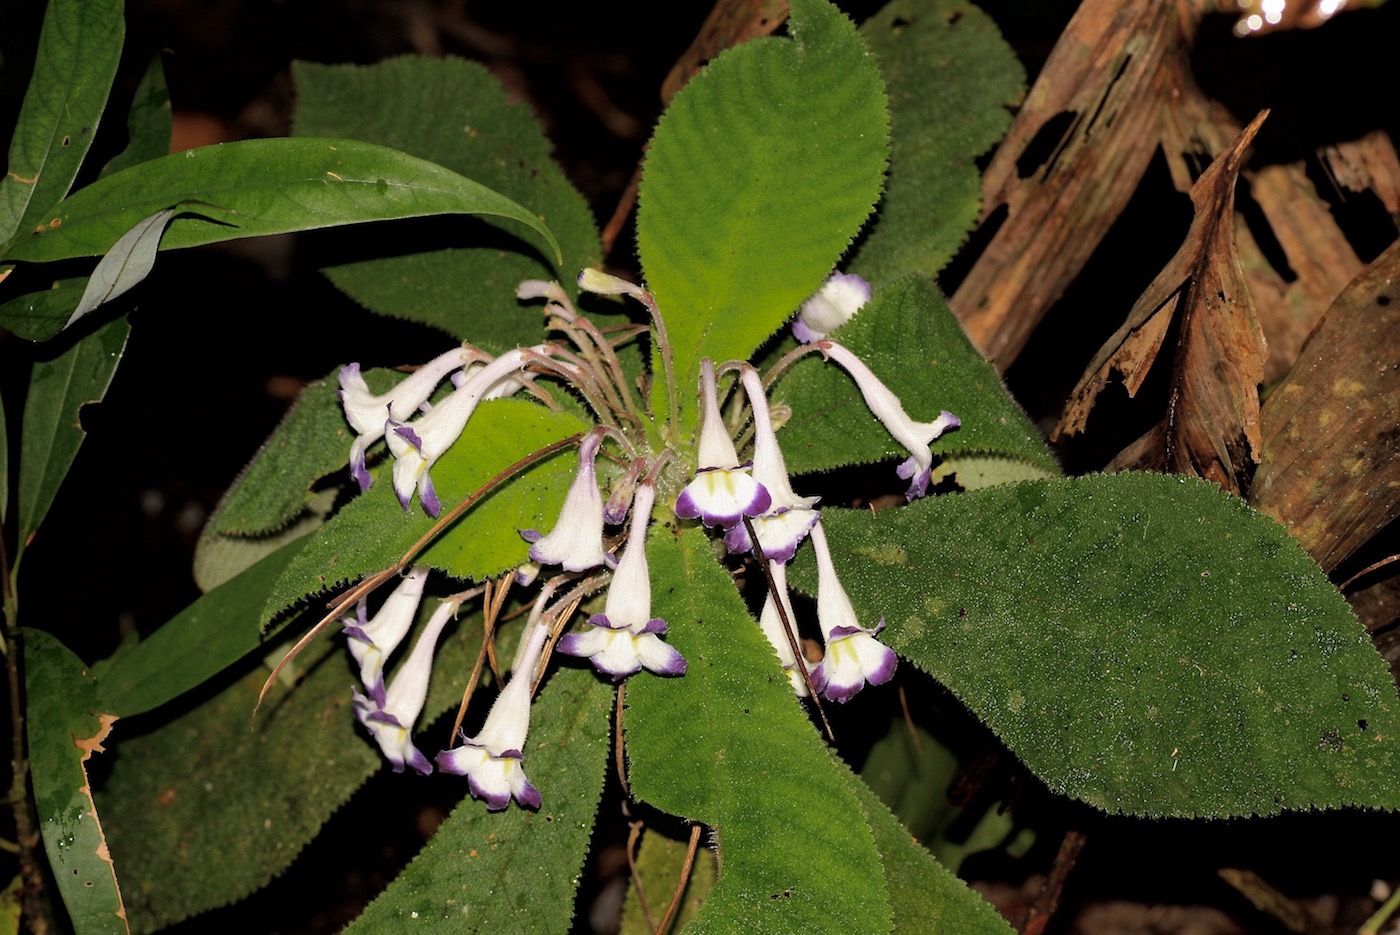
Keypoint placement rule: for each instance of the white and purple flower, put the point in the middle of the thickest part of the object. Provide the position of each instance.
(371, 642)
(914, 436)
(723, 492)
(625, 638)
(834, 304)
(391, 722)
(853, 655)
(367, 413)
(783, 526)
(576, 542)
(771, 623)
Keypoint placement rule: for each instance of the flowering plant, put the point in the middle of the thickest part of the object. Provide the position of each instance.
(721, 515)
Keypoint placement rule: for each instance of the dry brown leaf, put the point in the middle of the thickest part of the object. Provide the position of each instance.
(1330, 466)
(1211, 428)
(1369, 163)
(1106, 72)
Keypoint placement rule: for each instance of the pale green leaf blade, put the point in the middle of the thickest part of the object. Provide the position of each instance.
(659, 864)
(462, 281)
(198, 643)
(373, 531)
(79, 48)
(52, 435)
(68, 719)
(925, 895)
(1145, 643)
(727, 745)
(251, 188)
(908, 336)
(934, 193)
(517, 870)
(754, 184)
(124, 266)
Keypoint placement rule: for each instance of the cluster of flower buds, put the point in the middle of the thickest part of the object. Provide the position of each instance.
(751, 502)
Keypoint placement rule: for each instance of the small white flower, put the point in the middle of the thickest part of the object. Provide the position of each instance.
(576, 542)
(834, 304)
(853, 655)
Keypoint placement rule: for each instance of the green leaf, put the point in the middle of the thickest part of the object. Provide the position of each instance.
(198, 643)
(68, 718)
(728, 746)
(517, 870)
(148, 123)
(251, 188)
(373, 531)
(925, 895)
(79, 48)
(1145, 643)
(934, 193)
(462, 281)
(659, 863)
(758, 176)
(38, 316)
(52, 435)
(908, 336)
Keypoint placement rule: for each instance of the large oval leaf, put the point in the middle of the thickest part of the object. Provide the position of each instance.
(1145, 643)
(754, 185)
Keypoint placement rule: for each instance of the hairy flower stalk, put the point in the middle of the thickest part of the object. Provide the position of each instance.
(914, 436)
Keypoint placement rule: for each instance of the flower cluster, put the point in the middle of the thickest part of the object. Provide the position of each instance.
(598, 543)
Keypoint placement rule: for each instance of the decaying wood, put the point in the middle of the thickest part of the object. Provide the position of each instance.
(1369, 163)
(1330, 467)
(1106, 71)
(1211, 428)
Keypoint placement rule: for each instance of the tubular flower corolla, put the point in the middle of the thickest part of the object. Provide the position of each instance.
(576, 543)
(625, 638)
(835, 303)
(367, 413)
(493, 761)
(418, 444)
(853, 655)
(772, 626)
(371, 642)
(914, 436)
(789, 517)
(390, 723)
(723, 491)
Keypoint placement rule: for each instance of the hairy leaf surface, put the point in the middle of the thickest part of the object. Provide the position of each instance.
(1145, 643)
(728, 746)
(460, 279)
(754, 185)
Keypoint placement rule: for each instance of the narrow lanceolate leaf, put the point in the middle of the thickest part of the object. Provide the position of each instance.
(935, 190)
(68, 719)
(754, 186)
(462, 281)
(148, 123)
(925, 895)
(1211, 428)
(912, 342)
(79, 48)
(254, 187)
(728, 746)
(373, 531)
(52, 435)
(38, 316)
(123, 267)
(198, 643)
(1145, 643)
(517, 870)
